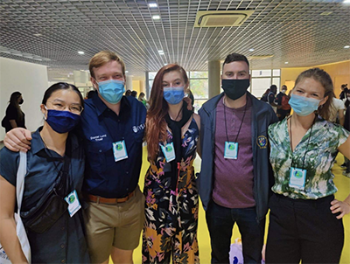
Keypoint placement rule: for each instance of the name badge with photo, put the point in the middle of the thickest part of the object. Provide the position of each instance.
(297, 178)
(119, 151)
(73, 203)
(169, 152)
(231, 150)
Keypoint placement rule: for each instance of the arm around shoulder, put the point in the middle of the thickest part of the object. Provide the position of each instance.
(18, 139)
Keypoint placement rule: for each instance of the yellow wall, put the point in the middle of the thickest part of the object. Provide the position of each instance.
(339, 72)
(136, 86)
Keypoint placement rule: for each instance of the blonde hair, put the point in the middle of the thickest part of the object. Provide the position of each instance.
(103, 57)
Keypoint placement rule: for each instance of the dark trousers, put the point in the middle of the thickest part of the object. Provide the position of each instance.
(303, 230)
(220, 222)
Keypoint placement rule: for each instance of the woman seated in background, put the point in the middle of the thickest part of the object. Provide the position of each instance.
(171, 207)
(55, 169)
(14, 116)
(305, 218)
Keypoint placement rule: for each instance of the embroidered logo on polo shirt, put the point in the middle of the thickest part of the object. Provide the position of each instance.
(138, 128)
(262, 142)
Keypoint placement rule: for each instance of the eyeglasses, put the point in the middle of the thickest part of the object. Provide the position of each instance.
(61, 106)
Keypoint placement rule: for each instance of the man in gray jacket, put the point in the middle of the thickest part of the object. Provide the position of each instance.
(236, 177)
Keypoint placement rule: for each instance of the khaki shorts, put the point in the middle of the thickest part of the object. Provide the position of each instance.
(117, 225)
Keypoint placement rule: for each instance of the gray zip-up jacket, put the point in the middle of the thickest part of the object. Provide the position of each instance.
(262, 116)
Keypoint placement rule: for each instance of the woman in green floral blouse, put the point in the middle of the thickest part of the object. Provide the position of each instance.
(305, 219)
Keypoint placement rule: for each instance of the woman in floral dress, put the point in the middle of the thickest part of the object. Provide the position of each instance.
(171, 208)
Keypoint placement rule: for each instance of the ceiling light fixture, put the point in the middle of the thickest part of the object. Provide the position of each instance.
(81, 52)
(156, 17)
(286, 62)
(346, 47)
(251, 49)
(38, 35)
(161, 52)
(152, 5)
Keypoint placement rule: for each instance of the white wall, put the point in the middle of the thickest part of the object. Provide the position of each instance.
(30, 80)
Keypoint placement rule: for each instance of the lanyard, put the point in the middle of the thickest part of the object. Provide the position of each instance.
(245, 109)
(308, 142)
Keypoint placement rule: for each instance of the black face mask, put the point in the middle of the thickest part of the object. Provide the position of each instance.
(21, 102)
(235, 89)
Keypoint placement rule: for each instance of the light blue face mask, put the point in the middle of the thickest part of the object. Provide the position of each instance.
(173, 95)
(302, 105)
(111, 90)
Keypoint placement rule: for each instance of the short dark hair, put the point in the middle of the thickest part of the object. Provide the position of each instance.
(134, 93)
(273, 87)
(61, 86)
(235, 57)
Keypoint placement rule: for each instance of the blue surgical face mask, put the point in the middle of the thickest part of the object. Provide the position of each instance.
(302, 105)
(61, 121)
(173, 95)
(111, 90)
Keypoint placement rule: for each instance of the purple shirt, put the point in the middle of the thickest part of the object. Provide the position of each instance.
(234, 179)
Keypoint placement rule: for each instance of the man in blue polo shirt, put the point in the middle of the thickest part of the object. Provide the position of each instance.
(112, 129)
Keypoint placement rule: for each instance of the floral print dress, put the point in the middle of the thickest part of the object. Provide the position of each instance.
(172, 215)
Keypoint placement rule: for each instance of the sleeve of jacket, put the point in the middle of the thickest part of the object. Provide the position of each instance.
(273, 119)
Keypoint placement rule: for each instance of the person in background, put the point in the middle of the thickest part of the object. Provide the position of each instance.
(344, 88)
(53, 148)
(346, 100)
(336, 111)
(134, 94)
(305, 218)
(142, 99)
(236, 177)
(264, 96)
(282, 99)
(89, 94)
(346, 164)
(128, 93)
(271, 97)
(14, 116)
(171, 207)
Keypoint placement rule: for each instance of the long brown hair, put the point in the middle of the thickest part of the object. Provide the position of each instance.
(326, 81)
(155, 121)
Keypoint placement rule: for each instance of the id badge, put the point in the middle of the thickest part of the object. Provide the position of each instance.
(231, 150)
(297, 178)
(73, 203)
(119, 151)
(168, 151)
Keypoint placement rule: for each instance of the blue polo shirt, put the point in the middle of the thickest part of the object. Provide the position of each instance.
(100, 128)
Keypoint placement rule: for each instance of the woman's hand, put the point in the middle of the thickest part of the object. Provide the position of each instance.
(340, 207)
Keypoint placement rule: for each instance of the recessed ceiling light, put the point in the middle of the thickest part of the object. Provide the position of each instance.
(156, 17)
(286, 62)
(81, 52)
(165, 64)
(161, 52)
(152, 5)
(346, 47)
(251, 49)
(327, 13)
(38, 35)
(126, 71)
(347, 1)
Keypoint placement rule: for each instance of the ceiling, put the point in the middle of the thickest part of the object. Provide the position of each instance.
(293, 31)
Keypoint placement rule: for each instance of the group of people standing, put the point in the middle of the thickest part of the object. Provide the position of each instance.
(250, 163)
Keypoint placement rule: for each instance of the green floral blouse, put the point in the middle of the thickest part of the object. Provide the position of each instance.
(317, 157)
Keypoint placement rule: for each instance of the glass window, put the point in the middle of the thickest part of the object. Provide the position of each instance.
(199, 88)
(198, 104)
(260, 85)
(151, 75)
(198, 74)
(276, 81)
(276, 72)
(261, 73)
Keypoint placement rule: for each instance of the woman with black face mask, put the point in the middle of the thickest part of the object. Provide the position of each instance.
(14, 116)
(50, 208)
